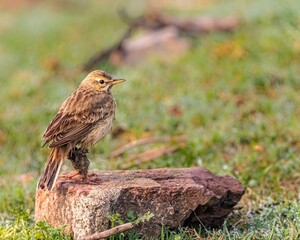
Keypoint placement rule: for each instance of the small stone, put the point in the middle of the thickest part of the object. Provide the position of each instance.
(176, 197)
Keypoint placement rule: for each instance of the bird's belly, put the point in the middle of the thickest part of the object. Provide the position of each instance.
(99, 131)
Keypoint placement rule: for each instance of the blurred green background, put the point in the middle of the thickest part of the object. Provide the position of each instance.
(236, 95)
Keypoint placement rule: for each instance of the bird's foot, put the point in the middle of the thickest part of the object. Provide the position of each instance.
(82, 178)
(81, 163)
(87, 180)
(74, 175)
(70, 176)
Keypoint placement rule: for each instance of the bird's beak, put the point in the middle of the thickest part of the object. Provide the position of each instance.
(116, 81)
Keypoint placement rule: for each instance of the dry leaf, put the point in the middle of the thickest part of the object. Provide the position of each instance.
(258, 148)
(229, 49)
(51, 64)
(175, 111)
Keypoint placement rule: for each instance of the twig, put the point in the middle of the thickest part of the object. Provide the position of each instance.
(118, 152)
(121, 228)
(110, 232)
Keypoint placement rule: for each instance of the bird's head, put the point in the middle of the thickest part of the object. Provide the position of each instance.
(100, 80)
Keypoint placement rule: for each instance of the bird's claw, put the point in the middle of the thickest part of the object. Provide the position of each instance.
(86, 180)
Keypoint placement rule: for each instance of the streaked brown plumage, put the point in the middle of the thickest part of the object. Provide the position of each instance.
(83, 119)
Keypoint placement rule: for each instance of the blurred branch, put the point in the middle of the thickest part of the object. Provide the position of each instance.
(199, 24)
(118, 152)
(151, 154)
(102, 55)
(155, 21)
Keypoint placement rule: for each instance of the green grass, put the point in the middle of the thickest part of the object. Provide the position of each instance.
(238, 92)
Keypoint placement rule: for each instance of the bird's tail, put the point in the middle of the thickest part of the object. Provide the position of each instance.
(51, 171)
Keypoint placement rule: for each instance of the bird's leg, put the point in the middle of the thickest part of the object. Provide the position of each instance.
(84, 166)
(73, 156)
(80, 162)
(83, 163)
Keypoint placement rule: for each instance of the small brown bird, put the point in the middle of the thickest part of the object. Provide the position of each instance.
(83, 119)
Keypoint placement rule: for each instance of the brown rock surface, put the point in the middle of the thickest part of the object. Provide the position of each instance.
(176, 197)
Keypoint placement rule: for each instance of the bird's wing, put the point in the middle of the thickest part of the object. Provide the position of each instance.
(77, 117)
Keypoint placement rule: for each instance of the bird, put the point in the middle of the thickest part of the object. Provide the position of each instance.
(84, 118)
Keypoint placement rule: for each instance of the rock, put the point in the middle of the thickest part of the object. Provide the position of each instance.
(176, 197)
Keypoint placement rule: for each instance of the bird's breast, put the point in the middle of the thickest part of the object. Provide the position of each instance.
(98, 132)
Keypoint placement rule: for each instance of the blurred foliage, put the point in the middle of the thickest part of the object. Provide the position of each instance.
(236, 95)
(21, 226)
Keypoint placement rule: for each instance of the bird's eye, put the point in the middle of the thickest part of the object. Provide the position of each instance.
(101, 81)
